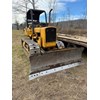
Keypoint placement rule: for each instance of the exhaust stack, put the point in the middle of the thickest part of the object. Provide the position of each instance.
(50, 16)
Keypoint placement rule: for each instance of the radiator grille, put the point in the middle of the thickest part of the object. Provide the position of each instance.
(50, 34)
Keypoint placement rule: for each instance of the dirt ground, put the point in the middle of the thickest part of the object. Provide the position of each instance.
(70, 84)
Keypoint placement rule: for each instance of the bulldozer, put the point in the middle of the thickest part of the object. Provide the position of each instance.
(46, 54)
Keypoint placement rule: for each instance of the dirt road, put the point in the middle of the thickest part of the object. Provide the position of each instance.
(65, 85)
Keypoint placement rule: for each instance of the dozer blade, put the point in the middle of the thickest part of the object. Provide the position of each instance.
(54, 61)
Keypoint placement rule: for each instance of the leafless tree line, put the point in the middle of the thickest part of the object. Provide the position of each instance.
(21, 7)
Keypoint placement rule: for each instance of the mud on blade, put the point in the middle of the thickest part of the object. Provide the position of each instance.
(54, 59)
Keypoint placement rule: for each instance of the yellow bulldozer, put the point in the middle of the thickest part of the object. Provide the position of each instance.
(46, 54)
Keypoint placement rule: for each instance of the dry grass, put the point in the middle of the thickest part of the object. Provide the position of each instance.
(65, 85)
(79, 32)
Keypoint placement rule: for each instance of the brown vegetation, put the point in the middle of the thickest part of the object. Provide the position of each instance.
(65, 85)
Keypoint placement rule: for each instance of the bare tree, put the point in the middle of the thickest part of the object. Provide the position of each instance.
(68, 16)
(84, 18)
(54, 11)
(21, 6)
(84, 14)
(52, 4)
(16, 23)
(33, 3)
